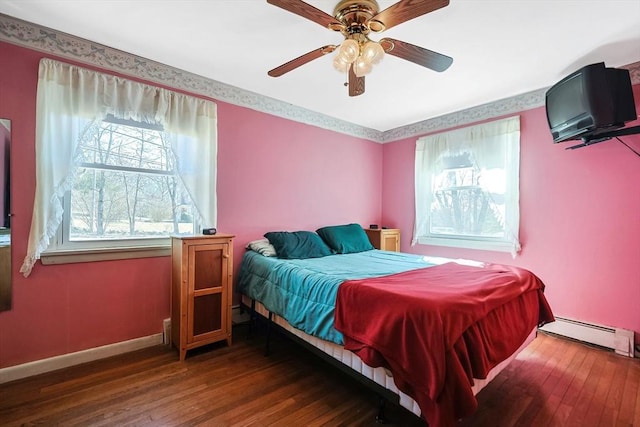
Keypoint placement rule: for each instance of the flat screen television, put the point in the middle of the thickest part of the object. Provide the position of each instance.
(590, 102)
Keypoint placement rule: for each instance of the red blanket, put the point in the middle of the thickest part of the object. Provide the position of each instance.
(439, 327)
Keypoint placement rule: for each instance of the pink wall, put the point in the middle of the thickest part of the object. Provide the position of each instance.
(580, 220)
(272, 174)
(579, 226)
(278, 174)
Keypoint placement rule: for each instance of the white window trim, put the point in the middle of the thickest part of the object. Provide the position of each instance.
(510, 242)
(466, 243)
(104, 254)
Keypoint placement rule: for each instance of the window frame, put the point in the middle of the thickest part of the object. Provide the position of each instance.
(62, 249)
(510, 240)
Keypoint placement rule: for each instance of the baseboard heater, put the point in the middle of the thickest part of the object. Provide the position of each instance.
(620, 340)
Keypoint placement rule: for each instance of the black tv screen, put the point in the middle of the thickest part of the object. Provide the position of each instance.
(593, 100)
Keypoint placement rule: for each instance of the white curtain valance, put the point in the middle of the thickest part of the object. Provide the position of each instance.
(69, 98)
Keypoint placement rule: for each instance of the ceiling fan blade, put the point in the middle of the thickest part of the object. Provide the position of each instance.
(405, 10)
(307, 11)
(416, 54)
(301, 60)
(356, 84)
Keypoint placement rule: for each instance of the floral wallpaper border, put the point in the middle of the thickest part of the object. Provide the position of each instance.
(33, 36)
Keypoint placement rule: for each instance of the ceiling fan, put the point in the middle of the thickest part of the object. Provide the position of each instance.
(356, 19)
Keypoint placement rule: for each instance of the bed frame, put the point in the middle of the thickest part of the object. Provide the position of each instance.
(378, 379)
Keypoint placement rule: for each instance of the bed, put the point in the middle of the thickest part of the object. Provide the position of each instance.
(366, 310)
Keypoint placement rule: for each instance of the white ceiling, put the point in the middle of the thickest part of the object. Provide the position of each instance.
(501, 48)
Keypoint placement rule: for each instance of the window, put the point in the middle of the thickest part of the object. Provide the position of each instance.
(467, 187)
(120, 165)
(126, 190)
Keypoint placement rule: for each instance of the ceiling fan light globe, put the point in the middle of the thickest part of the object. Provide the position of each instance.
(361, 67)
(340, 64)
(372, 52)
(349, 50)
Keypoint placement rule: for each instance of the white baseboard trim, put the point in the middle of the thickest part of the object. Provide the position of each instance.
(64, 361)
(619, 340)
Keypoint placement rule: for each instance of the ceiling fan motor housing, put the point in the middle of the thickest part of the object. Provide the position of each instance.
(356, 15)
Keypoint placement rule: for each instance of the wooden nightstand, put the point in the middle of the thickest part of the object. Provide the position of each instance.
(202, 268)
(386, 239)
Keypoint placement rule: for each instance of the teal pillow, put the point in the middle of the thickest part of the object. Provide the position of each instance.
(298, 244)
(346, 239)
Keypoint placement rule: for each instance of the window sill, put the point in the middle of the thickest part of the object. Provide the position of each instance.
(103, 254)
(467, 244)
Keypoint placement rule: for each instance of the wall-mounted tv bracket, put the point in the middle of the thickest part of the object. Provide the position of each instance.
(594, 139)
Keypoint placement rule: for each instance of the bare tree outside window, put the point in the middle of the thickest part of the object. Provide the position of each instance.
(461, 206)
(127, 186)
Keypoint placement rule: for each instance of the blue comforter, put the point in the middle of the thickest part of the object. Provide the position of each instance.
(303, 291)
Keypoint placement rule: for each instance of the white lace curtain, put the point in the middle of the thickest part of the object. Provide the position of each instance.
(70, 98)
(490, 145)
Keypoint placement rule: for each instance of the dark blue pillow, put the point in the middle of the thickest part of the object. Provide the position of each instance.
(298, 244)
(346, 239)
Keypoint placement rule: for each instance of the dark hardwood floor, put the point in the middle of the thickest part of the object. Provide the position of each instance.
(554, 382)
